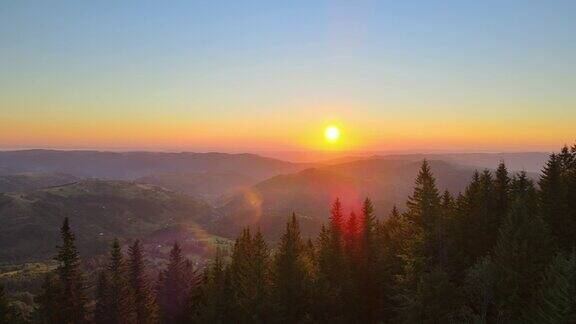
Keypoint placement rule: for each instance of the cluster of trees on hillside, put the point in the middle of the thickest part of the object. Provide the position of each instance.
(500, 252)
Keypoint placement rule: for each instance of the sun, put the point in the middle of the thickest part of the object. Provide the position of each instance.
(332, 133)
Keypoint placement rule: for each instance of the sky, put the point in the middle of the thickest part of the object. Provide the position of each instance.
(272, 75)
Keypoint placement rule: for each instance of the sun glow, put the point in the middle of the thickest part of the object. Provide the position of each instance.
(332, 133)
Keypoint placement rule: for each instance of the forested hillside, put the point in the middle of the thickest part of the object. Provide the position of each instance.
(501, 251)
(100, 211)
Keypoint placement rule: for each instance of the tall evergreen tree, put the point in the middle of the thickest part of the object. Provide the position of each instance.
(426, 292)
(3, 306)
(424, 212)
(249, 278)
(554, 200)
(48, 299)
(501, 192)
(554, 302)
(367, 270)
(72, 298)
(478, 220)
(522, 251)
(145, 304)
(118, 298)
(217, 294)
(174, 284)
(291, 281)
(101, 309)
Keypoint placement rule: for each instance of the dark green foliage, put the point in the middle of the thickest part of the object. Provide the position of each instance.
(213, 306)
(291, 280)
(101, 309)
(3, 306)
(557, 197)
(479, 290)
(72, 297)
(115, 302)
(434, 300)
(555, 301)
(174, 285)
(249, 278)
(522, 252)
(144, 301)
(48, 299)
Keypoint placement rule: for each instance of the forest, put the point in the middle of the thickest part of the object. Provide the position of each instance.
(502, 251)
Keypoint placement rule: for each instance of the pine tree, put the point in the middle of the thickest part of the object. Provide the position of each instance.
(48, 299)
(217, 294)
(367, 270)
(249, 278)
(291, 281)
(101, 310)
(337, 219)
(501, 192)
(435, 299)
(425, 289)
(174, 286)
(3, 306)
(424, 212)
(121, 307)
(554, 199)
(145, 304)
(522, 251)
(479, 223)
(328, 285)
(554, 302)
(388, 264)
(351, 237)
(72, 298)
(479, 290)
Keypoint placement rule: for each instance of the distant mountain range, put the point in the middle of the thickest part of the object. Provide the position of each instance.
(134, 165)
(160, 197)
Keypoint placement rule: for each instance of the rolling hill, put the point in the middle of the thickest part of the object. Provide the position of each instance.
(208, 185)
(33, 181)
(309, 193)
(98, 210)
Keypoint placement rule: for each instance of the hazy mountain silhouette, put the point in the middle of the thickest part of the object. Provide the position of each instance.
(133, 165)
(33, 181)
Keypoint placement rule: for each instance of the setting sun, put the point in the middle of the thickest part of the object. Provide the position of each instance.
(332, 133)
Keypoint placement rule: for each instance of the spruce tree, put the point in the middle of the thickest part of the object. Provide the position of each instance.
(554, 302)
(367, 270)
(121, 307)
(521, 253)
(554, 201)
(174, 284)
(145, 304)
(48, 299)
(72, 299)
(328, 285)
(249, 278)
(424, 213)
(3, 306)
(217, 293)
(501, 192)
(101, 310)
(291, 281)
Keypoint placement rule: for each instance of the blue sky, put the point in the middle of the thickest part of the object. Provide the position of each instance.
(201, 63)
